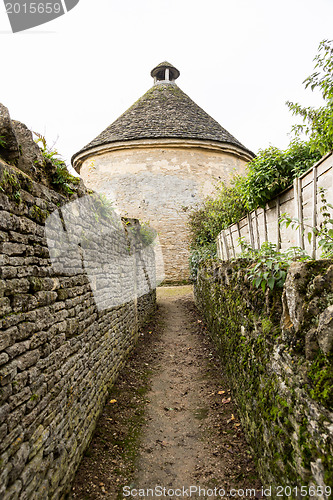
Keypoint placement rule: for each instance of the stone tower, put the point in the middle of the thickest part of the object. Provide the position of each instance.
(164, 153)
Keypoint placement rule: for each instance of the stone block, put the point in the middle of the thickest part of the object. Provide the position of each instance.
(10, 151)
(9, 248)
(4, 412)
(24, 302)
(13, 493)
(8, 372)
(28, 359)
(4, 307)
(18, 462)
(18, 348)
(325, 331)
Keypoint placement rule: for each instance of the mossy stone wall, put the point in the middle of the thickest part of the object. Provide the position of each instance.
(279, 364)
(59, 353)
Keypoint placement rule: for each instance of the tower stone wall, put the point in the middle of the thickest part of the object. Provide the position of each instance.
(156, 183)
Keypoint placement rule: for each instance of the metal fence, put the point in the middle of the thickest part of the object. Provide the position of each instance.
(300, 201)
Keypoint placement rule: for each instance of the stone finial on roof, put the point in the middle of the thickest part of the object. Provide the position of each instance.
(164, 72)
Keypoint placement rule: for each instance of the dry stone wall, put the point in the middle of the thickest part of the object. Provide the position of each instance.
(60, 348)
(277, 349)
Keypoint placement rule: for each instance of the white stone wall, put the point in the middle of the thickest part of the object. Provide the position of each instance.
(154, 183)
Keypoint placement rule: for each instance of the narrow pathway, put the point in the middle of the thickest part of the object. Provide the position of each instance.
(173, 418)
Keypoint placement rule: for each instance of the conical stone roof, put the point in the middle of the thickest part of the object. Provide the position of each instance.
(165, 111)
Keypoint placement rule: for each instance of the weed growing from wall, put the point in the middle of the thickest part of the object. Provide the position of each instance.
(268, 266)
(60, 177)
(10, 185)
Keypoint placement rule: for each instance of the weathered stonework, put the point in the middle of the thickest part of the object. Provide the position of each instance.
(277, 353)
(59, 353)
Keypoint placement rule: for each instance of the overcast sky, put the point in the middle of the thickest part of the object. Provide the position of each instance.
(240, 60)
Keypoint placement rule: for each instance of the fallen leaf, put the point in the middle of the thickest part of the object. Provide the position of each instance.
(237, 425)
(221, 392)
(113, 401)
(226, 400)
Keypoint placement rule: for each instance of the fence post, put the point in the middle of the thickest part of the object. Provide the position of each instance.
(232, 242)
(238, 229)
(278, 233)
(299, 210)
(219, 247)
(257, 229)
(226, 245)
(239, 234)
(314, 211)
(265, 224)
(249, 222)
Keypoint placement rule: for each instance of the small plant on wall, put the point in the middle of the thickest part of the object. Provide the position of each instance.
(60, 175)
(268, 266)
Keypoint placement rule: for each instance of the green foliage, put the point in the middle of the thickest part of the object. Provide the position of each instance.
(216, 212)
(10, 185)
(199, 255)
(104, 206)
(2, 141)
(147, 233)
(273, 170)
(269, 266)
(60, 177)
(323, 232)
(318, 123)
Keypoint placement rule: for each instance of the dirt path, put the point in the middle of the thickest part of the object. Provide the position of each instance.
(172, 423)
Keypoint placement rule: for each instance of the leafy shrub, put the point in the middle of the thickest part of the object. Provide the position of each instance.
(273, 170)
(214, 214)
